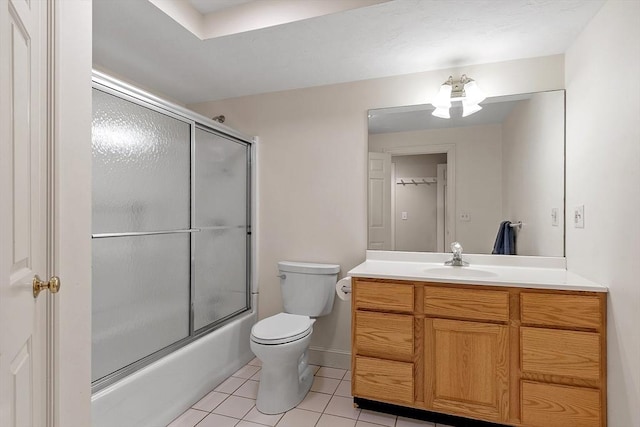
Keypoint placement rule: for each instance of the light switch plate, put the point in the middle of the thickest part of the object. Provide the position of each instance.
(578, 217)
(554, 217)
(405, 215)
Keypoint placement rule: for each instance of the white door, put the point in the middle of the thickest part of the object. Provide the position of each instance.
(441, 207)
(23, 212)
(379, 184)
(45, 112)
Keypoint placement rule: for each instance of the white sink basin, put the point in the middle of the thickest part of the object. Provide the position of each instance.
(459, 272)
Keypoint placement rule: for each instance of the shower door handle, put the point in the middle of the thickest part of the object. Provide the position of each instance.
(39, 285)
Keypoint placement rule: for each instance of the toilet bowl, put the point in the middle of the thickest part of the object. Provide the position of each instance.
(281, 341)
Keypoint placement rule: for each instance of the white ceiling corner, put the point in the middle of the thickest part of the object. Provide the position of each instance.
(133, 38)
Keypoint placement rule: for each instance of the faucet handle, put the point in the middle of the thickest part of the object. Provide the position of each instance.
(456, 248)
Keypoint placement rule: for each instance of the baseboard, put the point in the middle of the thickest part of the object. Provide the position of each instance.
(330, 357)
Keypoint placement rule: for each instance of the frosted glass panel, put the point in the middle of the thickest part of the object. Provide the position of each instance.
(220, 181)
(220, 274)
(140, 297)
(141, 167)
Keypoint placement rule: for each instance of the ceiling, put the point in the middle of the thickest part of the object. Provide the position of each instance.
(135, 39)
(418, 117)
(209, 6)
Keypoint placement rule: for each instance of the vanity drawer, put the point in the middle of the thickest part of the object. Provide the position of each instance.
(474, 304)
(546, 405)
(384, 296)
(563, 310)
(564, 353)
(383, 380)
(384, 335)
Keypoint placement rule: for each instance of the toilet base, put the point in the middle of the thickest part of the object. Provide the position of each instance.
(284, 381)
(285, 394)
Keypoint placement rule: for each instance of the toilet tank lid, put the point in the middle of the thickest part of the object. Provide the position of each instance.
(308, 267)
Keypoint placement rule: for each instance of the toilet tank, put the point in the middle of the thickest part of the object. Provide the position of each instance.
(308, 288)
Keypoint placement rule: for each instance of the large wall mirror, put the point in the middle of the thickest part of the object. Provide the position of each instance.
(432, 181)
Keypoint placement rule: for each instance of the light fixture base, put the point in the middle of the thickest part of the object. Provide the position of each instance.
(465, 90)
(457, 87)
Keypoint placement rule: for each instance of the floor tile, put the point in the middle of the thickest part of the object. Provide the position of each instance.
(324, 385)
(365, 424)
(255, 362)
(235, 406)
(244, 423)
(343, 407)
(328, 404)
(215, 420)
(256, 416)
(189, 418)
(410, 422)
(315, 402)
(327, 420)
(377, 418)
(246, 371)
(248, 390)
(331, 373)
(299, 418)
(344, 389)
(210, 401)
(230, 385)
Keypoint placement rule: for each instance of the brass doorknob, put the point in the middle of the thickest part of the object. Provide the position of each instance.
(38, 285)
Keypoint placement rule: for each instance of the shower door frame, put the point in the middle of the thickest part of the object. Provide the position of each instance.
(127, 92)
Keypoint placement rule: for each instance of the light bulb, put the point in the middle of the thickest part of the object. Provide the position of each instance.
(441, 112)
(443, 98)
(473, 94)
(468, 109)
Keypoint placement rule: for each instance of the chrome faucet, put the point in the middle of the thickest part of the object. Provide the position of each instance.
(456, 261)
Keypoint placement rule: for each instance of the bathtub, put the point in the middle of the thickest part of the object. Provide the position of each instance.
(158, 393)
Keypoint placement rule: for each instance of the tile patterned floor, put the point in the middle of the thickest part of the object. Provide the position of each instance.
(328, 404)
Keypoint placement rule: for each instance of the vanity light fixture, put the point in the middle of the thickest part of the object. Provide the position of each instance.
(465, 90)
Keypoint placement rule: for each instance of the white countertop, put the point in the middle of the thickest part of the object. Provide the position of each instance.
(525, 272)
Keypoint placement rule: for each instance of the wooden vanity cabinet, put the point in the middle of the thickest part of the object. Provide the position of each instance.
(467, 352)
(563, 359)
(383, 334)
(514, 356)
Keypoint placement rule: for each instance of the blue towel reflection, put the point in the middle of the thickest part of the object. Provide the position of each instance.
(505, 240)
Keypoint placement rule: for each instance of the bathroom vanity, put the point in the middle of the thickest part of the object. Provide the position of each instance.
(521, 344)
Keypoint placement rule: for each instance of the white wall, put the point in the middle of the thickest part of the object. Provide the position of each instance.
(603, 173)
(478, 177)
(313, 151)
(533, 172)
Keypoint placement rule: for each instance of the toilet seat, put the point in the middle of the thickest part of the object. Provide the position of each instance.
(281, 328)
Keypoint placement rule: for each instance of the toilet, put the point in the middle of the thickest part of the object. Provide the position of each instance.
(281, 341)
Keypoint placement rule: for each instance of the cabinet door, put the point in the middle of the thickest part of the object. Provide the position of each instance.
(467, 368)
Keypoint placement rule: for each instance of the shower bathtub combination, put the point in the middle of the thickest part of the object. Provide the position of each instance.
(172, 296)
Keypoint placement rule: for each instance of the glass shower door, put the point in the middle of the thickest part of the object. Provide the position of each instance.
(171, 226)
(220, 212)
(141, 239)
